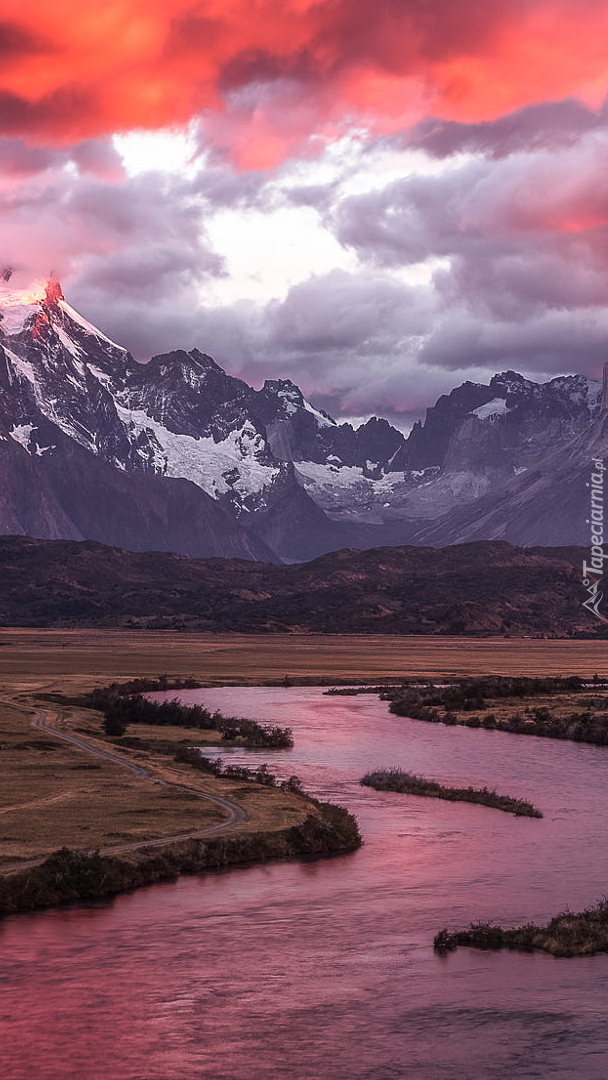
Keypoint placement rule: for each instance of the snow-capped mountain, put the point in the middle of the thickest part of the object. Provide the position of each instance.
(178, 455)
(481, 436)
(67, 390)
(71, 464)
(548, 504)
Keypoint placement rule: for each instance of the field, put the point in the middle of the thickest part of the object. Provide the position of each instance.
(83, 658)
(53, 794)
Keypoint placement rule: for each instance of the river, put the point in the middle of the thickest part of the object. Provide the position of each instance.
(325, 970)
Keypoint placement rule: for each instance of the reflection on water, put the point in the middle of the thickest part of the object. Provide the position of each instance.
(325, 970)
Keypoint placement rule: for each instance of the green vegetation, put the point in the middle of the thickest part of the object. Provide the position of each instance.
(566, 935)
(75, 875)
(121, 705)
(410, 784)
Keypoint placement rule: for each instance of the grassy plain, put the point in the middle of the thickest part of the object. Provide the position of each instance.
(83, 658)
(559, 705)
(53, 794)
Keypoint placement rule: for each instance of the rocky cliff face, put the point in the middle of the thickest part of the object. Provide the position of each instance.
(548, 503)
(174, 454)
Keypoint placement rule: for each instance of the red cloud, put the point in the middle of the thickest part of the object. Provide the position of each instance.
(266, 74)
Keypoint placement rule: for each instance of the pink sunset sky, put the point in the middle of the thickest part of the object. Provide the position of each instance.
(376, 200)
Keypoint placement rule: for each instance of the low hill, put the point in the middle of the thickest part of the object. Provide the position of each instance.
(481, 589)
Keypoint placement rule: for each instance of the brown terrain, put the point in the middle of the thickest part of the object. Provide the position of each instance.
(53, 793)
(482, 589)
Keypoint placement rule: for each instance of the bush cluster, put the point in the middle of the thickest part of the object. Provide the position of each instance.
(121, 707)
(471, 696)
(408, 783)
(565, 935)
(190, 755)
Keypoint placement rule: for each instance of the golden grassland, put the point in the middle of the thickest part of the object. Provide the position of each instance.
(84, 658)
(53, 794)
(559, 705)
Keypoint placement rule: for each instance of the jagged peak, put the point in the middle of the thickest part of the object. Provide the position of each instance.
(512, 382)
(185, 360)
(509, 376)
(53, 292)
(37, 306)
(375, 422)
(283, 388)
(17, 288)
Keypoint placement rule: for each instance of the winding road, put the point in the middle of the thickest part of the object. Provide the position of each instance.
(235, 814)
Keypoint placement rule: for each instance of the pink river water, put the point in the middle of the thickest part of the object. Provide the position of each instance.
(325, 970)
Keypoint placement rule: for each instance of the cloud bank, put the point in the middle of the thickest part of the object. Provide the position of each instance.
(453, 153)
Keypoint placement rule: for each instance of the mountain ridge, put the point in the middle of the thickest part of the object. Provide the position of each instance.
(264, 474)
(488, 588)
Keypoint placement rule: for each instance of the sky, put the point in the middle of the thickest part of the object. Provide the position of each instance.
(376, 201)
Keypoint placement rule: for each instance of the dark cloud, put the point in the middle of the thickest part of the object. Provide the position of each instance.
(409, 220)
(19, 161)
(222, 187)
(553, 342)
(522, 244)
(510, 291)
(515, 229)
(143, 237)
(480, 204)
(62, 108)
(548, 125)
(18, 42)
(244, 67)
(341, 313)
(98, 157)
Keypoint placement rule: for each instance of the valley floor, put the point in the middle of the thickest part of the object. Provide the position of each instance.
(54, 794)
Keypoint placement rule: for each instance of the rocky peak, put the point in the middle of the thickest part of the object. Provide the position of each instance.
(53, 292)
(181, 362)
(22, 296)
(511, 382)
(21, 299)
(286, 395)
(379, 443)
(284, 388)
(189, 394)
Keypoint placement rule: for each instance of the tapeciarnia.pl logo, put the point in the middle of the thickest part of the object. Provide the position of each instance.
(593, 571)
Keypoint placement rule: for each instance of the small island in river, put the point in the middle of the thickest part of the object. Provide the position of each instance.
(408, 783)
(568, 934)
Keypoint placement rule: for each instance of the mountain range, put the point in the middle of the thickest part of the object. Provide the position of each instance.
(177, 455)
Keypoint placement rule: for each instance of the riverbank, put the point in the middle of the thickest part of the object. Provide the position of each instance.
(53, 795)
(571, 708)
(568, 934)
(167, 816)
(407, 783)
(245, 971)
(90, 793)
(66, 784)
(71, 876)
